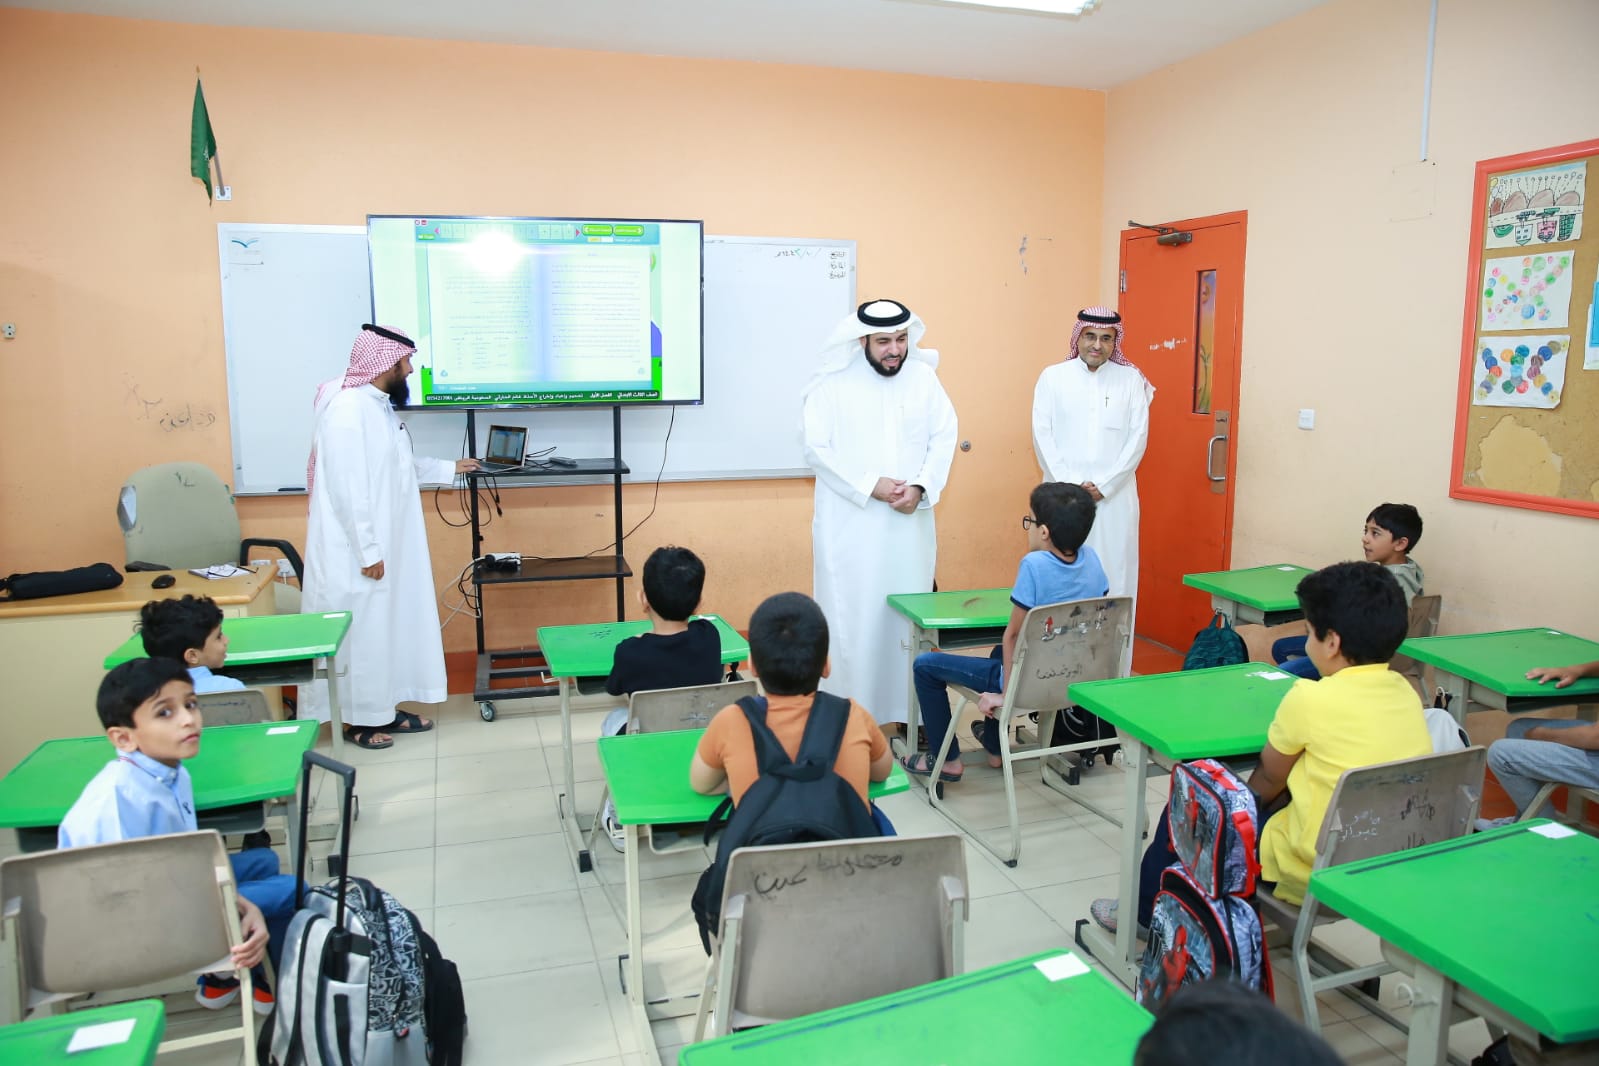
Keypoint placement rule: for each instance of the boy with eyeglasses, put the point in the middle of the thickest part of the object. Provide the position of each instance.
(1058, 567)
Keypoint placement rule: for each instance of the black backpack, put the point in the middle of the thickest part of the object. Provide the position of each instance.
(791, 802)
(1218, 644)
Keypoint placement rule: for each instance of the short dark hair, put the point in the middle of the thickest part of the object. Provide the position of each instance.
(673, 580)
(788, 644)
(130, 685)
(1067, 510)
(1362, 603)
(1400, 520)
(1222, 1021)
(172, 627)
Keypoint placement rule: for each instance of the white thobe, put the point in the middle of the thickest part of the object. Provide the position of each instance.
(366, 508)
(1093, 425)
(860, 426)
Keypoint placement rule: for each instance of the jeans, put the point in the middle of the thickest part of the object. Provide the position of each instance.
(1523, 766)
(1289, 653)
(933, 672)
(255, 871)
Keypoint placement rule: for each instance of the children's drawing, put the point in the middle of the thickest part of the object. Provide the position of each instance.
(1590, 358)
(1536, 207)
(1526, 291)
(1525, 371)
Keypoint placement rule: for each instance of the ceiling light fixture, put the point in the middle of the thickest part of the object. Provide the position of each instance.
(1073, 8)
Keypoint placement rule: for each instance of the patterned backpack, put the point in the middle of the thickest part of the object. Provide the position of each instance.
(1218, 644)
(1204, 924)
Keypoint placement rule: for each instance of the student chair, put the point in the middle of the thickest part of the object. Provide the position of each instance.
(178, 516)
(1060, 643)
(237, 707)
(1424, 613)
(1576, 797)
(117, 916)
(1375, 810)
(662, 710)
(806, 927)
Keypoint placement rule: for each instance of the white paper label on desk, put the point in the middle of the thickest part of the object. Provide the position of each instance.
(275, 730)
(103, 1035)
(1061, 967)
(1269, 675)
(1554, 831)
(1288, 568)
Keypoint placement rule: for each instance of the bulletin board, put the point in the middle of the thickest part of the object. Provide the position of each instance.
(1527, 421)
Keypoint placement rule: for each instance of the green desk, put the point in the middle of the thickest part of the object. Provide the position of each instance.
(974, 618)
(276, 649)
(648, 776)
(574, 652)
(1490, 669)
(237, 764)
(44, 1040)
(1523, 958)
(1162, 719)
(1081, 1018)
(1261, 594)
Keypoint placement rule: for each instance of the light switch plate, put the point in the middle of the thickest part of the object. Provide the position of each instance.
(1307, 418)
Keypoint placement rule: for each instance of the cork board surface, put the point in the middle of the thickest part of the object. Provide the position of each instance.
(1543, 458)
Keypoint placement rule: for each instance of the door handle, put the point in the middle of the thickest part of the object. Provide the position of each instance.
(1210, 458)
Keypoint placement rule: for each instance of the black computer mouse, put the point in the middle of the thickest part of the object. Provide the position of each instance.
(163, 581)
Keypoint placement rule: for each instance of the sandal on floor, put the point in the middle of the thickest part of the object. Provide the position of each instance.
(406, 722)
(920, 765)
(366, 737)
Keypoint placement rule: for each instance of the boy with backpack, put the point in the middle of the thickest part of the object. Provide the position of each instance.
(1361, 713)
(795, 723)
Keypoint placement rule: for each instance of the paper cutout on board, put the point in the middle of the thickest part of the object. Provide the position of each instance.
(1526, 291)
(1536, 207)
(1525, 371)
(1590, 358)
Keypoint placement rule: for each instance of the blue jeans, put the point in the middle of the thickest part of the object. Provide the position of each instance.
(934, 672)
(255, 871)
(1523, 766)
(1283, 652)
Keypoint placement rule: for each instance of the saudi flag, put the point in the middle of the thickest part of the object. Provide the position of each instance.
(202, 142)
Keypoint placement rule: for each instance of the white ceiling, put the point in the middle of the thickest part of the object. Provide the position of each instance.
(1122, 40)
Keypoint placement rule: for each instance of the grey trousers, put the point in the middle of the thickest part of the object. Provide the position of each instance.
(1524, 766)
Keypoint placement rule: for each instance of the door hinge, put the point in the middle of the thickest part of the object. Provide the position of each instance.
(1124, 281)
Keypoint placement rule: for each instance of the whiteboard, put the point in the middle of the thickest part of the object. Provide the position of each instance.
(293, 298)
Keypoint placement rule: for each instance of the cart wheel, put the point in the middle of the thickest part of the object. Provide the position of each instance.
(585, 861)
(486, 709)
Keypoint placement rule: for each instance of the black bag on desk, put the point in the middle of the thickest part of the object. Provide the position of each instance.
(36, 586)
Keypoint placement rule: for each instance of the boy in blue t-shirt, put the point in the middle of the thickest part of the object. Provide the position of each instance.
(189, 630)
(1058, 567)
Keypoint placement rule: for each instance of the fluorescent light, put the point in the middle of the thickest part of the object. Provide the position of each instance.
(1045, 7)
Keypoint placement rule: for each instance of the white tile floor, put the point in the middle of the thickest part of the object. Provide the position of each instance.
(460, 824)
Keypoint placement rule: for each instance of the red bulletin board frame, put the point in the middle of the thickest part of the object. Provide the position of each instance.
(1486, 169)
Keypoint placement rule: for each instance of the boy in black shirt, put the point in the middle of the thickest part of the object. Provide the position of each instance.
(675, 653)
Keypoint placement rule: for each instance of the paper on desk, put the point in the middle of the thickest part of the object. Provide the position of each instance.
(1288, 568)
(1269, 675)
(221, 570)
(103, 1035)
(275, 730)
(1061, 967)
(1554, 831)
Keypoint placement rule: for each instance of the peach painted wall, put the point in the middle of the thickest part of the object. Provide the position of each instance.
(108, 253)
(1345, 311)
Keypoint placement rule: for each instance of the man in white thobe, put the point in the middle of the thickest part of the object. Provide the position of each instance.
(367, 549)
(1090, 427)
(880, 435)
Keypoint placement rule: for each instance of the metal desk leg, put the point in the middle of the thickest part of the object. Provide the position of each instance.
(1428, 1044)
(633, 971)
(325, 671)
(921, 641)
(566, 805)
(1228, 608)
(1457, 689)
(1118, 955)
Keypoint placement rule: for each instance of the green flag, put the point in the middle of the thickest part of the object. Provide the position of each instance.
(202, 142)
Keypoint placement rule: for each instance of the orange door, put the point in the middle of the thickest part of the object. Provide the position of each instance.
(1183, 308)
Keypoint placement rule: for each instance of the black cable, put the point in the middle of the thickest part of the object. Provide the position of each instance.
(656, 499)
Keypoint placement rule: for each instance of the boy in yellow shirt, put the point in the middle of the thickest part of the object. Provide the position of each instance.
(1359, 714)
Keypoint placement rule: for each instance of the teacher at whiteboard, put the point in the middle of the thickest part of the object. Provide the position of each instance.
(880, 435)
(366, 547)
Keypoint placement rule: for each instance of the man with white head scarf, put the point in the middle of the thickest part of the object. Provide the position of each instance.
(1090, 427)
(880, 435)
(366, 547)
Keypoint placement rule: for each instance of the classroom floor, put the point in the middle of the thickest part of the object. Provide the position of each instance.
(460, 824)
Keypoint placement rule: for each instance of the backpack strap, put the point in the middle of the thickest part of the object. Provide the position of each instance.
(824, 730)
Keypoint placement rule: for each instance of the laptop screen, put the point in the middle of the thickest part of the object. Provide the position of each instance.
(507, 444)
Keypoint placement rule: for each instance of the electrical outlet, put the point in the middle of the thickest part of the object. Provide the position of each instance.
(1307, 418)
(9, 331)
(285, 569)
